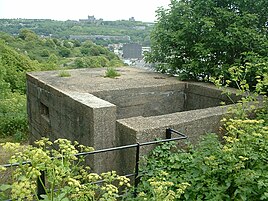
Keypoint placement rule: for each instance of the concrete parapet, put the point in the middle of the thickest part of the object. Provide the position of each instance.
(140, 129)
(102, 112)
(74, 116)
(146, 101)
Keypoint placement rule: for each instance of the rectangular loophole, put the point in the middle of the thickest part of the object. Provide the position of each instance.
(44, 110)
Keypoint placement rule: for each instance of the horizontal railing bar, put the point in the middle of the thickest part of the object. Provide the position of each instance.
(113, 148)
(160, 141)
(128, 146)
(107, 150)
(15, 164)
(138, 145)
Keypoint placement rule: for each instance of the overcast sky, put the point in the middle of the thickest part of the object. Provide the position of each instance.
(141, 10)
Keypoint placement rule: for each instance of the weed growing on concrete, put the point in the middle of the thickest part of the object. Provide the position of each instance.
(64, 74)
(111, 73)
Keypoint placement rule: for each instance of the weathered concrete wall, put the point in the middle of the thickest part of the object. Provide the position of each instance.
(193, 123)
(71, 115)
(146, 101)
(203, 95)
(103, 112)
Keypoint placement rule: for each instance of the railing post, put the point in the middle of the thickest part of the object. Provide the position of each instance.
(41, 185)
(137, 179)
(168, 133)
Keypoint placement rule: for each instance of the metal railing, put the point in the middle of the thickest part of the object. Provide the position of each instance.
(169, 132)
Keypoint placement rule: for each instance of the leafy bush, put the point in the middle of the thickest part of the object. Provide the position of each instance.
(249, 70)
(91, 62)
(64, 52)
(88, 62)
(15, 65)
(66, 176)
(200, 39)
(13, 116)
(112, 73)
(233, 170)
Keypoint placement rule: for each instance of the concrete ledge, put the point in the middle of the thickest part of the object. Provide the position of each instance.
(135, 107)
(89, 100)
(140, 129)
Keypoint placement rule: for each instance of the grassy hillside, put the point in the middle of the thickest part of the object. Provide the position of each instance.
(137, 31)
(28, 52)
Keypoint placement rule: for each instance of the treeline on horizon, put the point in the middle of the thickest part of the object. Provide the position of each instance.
(139, 32)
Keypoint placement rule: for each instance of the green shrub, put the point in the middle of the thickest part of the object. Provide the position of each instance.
(111, 72)
(66, 176)
(13, 116)
(201, 39)
(233, 170)
(91, 62)
(64, 74)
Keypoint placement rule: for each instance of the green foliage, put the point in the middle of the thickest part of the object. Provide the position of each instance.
(200, 39)
(247, 72)
(96, 62)
(49, 53)
(252, 82)
(91, 62)
(95, 56)
(234, 170)
(64, 52)
(90, 49)
(111, 73)
(231, 168)
(66, 176)
(137, 31)
(26, 34)
(29, 52)
(13, 116)
(64, 74)
(15, 65)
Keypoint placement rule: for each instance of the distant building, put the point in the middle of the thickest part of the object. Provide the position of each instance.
(132, 51)
(117, 49)
(146, 49)
(132, 19)
(91, 19)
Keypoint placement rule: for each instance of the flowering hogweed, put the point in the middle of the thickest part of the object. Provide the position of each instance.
(234, 168)
(66, 177)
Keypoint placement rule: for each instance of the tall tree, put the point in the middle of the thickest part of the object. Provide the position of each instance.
(203, 38)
